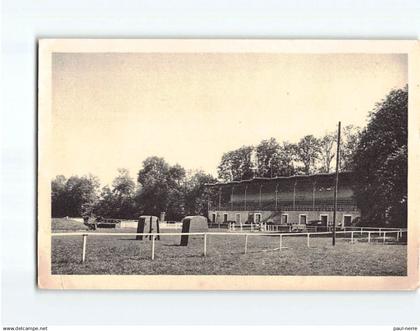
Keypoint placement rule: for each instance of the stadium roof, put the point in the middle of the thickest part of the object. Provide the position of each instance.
(262, 179)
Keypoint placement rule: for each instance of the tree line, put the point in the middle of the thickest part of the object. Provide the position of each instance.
(377, 155)
(308, 156)
(159, 187)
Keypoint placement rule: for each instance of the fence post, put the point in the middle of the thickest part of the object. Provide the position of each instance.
(281, 243)
(368, 236)
(379, 231)
(84, 248)
(384, 236)
(246, 242)
(307, 239)
(205, 244)
(398, 235)
(153, 247)
(352, 233)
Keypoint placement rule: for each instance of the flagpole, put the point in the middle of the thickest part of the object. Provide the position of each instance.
(336, 183)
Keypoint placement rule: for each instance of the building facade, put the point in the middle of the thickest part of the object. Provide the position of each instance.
(284, 200)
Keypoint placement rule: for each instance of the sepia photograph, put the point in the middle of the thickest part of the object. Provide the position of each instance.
(225, 164)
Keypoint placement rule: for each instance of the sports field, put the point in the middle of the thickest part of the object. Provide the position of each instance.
(225, 256)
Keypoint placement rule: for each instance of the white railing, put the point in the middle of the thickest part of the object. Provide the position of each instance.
(382, 236)
(314, 228)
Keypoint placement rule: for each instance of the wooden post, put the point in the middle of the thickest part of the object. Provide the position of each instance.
(205, 244)
(246, 243)
(158, 228)
(384, 232)
(336, 183)
(368, 236)
(153, 247)
(352, 241)
(84, 248)
(151, 227)
(281, 242)
(307, 239)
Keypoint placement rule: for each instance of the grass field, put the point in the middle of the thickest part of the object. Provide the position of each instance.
(64, 225)
(225, 256)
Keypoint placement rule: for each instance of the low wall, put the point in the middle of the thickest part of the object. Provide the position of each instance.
(282, 217)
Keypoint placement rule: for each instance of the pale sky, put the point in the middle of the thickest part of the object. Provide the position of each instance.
(114, 110)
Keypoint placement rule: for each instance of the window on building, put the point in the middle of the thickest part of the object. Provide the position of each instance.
(347, 220)
(225, 218)
(213, 218)
(238, 218)
(324, 219)
(284, 219)
(257, 217)
(302, 219)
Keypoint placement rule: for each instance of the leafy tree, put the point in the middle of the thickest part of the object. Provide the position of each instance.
(195, 193)
(274, 159)
(58, 202)
(307, 152)
(119, 201)
(237, 164)
(327, 154)
(268, 162)
(123, 184)
(287, 155)
(349, 141)
(161, 188)
(75, 196)
(380, 163)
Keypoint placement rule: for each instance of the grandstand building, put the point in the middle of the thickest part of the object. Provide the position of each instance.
(284, 200)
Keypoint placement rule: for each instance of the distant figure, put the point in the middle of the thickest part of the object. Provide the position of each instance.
(90, 222)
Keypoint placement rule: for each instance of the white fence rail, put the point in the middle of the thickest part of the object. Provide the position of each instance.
(382, 236)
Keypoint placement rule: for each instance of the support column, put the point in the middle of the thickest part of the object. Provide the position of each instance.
(246, 187)
(231, 198)
(313, 195)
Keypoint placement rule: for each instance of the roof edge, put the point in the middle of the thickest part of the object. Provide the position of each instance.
(256, 179)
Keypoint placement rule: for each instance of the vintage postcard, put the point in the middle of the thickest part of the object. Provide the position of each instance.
(228, 164)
